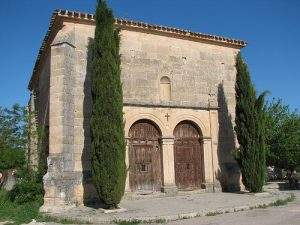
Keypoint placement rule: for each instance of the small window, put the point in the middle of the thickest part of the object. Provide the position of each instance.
(165, 89)
(143, 168)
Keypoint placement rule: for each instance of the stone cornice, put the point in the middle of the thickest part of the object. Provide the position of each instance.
(154, 105)
(64, 15)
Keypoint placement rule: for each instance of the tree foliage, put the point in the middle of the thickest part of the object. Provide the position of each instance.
(13, 149)
(107, 127)
(249, 129)
(13, 137)
(282, 136)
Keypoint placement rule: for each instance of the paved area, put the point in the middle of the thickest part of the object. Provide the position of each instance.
(174, 208)
(281, 215)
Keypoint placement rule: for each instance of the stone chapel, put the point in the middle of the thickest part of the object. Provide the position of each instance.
(179, 109)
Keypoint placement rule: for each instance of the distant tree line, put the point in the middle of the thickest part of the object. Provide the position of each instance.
(282, 136)
(13, 137)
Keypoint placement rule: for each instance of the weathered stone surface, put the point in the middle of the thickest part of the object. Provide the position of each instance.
(8, 180)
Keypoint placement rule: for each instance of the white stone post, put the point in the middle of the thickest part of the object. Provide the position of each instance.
(208, 164)
(169, 186)
(127, 186)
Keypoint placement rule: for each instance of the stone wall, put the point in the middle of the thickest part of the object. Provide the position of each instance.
(42, 94)
(39, 116)
(195, 69)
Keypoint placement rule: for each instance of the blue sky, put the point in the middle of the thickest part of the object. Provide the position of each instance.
(271, 27)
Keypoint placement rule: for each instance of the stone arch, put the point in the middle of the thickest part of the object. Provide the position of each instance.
(150, 122)
(196, 121)
(145, 116)
(165, 89)
(193, 124)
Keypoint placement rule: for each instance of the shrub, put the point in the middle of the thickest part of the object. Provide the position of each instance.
(10, 158)
(27, 191)
(17, 213)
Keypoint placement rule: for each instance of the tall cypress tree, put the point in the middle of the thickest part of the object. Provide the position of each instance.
(107, 126)
(249, 129)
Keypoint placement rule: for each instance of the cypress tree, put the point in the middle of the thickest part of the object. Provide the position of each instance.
(107, 126)
(249, 129)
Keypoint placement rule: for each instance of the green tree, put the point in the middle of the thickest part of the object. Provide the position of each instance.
(107, 126)
(13, 137)
(13, 149)
(282, 136)
(249, 128)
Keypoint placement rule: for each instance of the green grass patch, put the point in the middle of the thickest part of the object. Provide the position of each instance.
(280, 202)
(159, 221)
(263, 206)
(18, 214)
(213, 213)
(46, 218)
(135, 222)
(131, 222)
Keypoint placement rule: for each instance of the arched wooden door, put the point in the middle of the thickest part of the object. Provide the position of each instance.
(144, 157)
(188, 156)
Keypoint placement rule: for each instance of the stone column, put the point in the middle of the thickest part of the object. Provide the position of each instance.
(211, 182)
(127, 186)
(214, 120)
(61, 179)
(169, 186)
(208, 167)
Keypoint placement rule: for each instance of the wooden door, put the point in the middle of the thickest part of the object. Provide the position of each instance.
(188, 156)
(144, 157)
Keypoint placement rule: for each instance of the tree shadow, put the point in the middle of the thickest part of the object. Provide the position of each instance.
(286, 186)
(229, 172)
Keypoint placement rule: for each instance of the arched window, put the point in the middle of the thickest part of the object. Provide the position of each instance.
(165, 89)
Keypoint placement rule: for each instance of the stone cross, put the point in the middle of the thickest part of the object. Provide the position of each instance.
(167, 116)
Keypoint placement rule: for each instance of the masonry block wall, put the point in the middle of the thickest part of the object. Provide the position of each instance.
(39, 116)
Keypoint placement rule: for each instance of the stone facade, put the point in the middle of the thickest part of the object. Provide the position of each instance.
(200, 83)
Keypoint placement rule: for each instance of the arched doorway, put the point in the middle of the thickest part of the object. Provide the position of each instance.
(145, 157)
(188, 156)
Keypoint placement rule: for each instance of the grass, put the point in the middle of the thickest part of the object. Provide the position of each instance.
(135, 222)
(213, 213)
(279, 202)
(131, 222)
(10, 211)
(18, 214)
(45, 218)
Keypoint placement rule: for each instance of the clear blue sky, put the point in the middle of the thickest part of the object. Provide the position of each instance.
(271, 27)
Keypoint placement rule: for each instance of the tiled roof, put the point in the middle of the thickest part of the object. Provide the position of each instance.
(124, 23)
